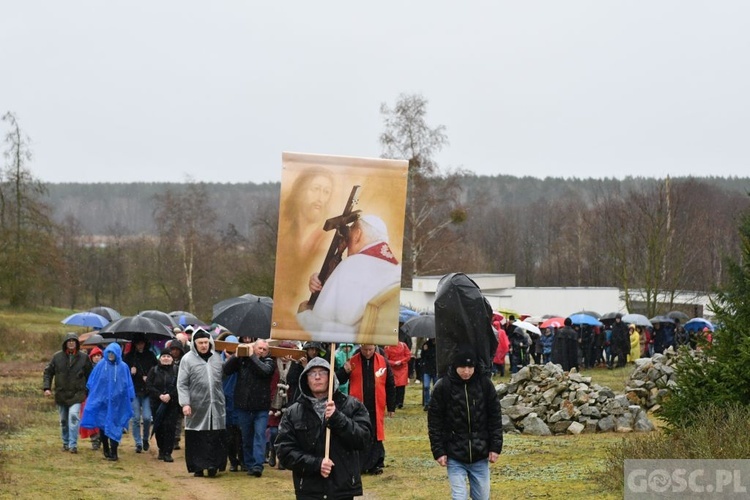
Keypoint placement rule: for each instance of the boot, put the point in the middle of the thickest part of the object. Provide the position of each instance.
(272, 457)
(105, 447)
(113, 447)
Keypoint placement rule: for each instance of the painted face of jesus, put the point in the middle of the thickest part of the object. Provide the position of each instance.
(317, 195)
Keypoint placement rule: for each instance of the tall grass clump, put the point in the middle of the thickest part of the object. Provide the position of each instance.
(715, 433)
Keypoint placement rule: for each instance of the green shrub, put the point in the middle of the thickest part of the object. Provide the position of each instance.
(714, 435)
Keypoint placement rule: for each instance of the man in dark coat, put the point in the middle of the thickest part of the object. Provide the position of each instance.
(252, 401)
(565, 347)
(301, 441)
(140, 359)
(464, 423)
(70, 369)
(620, 346)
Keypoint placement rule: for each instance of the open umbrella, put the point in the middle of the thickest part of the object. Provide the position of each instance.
(127, 327)
(590, 313)
(584, 319)
(90, 339)
(610, 316)
(222, 305)
(246, 317)
(420, 326)
(661, 319)
(107, 312)
(89, 319)
(554, 322)
(698, 324)
(405, 314)
(527, 326)
(636, 319)
(678, 315)
(160, 316)
(184, 318)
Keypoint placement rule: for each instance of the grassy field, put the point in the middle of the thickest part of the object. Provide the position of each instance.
(32, 465)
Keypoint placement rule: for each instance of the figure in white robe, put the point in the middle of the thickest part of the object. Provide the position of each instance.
(369, 269)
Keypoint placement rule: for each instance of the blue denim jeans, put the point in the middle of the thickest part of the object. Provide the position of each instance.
(141, 408)
(427, 379)
(70, 418)
(478, 474)
(252, 425)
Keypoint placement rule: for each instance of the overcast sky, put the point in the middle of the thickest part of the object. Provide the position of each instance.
(214, 91)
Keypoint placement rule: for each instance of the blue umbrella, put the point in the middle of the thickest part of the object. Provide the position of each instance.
(584, 319)
(89, 319)
(698, 324)
(405, 314)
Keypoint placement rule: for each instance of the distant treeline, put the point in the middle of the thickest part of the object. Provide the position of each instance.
(102, 207)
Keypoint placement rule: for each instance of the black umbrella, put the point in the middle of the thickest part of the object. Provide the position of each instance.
(160, 316)
(678, 315)
(96, 339)
(127, 327)
(661, 319)
(219, 307)
(107, 312)
(246, 317)
(421, 326)
(184, 318)
(158, 417)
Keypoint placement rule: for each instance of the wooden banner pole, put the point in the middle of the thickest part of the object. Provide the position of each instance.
(331, 374)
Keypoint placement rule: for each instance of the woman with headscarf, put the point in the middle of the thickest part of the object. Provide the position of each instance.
(161, 383)
(201, 395)
(109, 404)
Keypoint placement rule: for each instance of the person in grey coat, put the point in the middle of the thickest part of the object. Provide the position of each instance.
(200, 393)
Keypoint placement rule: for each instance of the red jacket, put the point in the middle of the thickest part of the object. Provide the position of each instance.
(399, 356)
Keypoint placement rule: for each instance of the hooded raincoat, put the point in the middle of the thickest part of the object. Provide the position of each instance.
(111, 392)
(199, 384)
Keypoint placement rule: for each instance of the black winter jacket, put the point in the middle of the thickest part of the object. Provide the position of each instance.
(143, 362)
(253, 389)
(70, 373)
(464, 420)
(300, 445)
(162, 379)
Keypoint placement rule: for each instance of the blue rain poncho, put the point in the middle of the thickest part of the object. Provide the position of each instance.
(111, 392)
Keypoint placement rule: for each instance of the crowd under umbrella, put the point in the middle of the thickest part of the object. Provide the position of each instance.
(160, 316)
(130, 326)
(584, 319)
(246, 317)
(420, 326)
(107, 312)
(636, 319)
(87, 319)
(698, 324)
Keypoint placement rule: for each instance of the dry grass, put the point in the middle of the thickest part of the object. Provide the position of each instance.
(32, 465)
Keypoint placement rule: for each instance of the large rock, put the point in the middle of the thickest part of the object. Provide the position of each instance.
(535, 426)
(606, 424)
(516, 412)
(576, 428)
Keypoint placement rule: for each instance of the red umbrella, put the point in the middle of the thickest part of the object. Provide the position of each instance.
(553, 322)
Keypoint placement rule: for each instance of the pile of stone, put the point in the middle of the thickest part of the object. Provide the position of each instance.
(652, 379)
(543, 400)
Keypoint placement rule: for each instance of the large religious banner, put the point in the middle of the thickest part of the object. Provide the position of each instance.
(340, 241)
